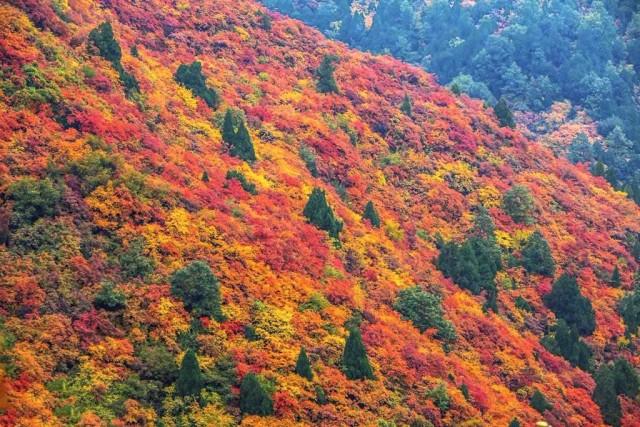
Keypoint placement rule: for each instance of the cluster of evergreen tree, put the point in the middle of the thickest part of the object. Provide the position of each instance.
(191, 77)
(536, 255)
(320, 214)
(236, 135)
(566, 342)
(102, 38)
(529, 53)
(612, 380)
(629, 309)
(326, 81)
(568, 304)
(473, 264)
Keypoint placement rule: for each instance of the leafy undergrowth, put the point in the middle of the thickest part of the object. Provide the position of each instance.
(132, 193)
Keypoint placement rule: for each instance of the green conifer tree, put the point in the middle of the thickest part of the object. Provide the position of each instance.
(536, 255)
(616, 280)
(254, 398)
(606, 397)
(198, 289)
(191, 77)
(326, 81)
(539, 402)
(355, 362)
(504, 114)
(318, 212)
(407, 106)
(518, 204)
(371, 214)
(567, 303)
(236, 135)
(303, 366)
(190, 381)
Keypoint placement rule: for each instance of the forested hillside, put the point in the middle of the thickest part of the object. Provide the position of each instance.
(530, 53)
(212, 215)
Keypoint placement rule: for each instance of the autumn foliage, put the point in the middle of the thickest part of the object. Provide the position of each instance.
(136, 245)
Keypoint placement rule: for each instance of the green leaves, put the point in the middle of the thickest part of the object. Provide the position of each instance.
(355, 363)
(198, 289)
(190, 76)
(318, 212)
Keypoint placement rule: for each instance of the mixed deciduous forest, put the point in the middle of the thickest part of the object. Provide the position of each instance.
(211, 214)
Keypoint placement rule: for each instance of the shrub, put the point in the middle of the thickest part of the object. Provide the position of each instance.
(518, 204)
(109, 298)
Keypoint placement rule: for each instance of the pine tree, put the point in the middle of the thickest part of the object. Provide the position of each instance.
(198, 289)
(371, 214)
(536, 255)
(191, 77)
(504, 114)
(229, 127)
(539, 402)
(205, 176)
(303, 366)
(318, 212)
(606, 397)
(190, 381)
(626, 378)
(354, 359)
(326, 81)
(243, 147)
(238, 141)
(567, 303)
(514, 423)
(406, 107)
(616, 280)
(566, 342)
(102, 38)
(254, 398)
(629, 309)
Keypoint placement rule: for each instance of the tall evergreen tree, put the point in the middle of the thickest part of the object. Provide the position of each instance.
(536, 255)
(616, 280)
(629, 309)
(236, 135)
(504, 114)
(566, 301)
(606, 397)
(539, 402)
(406, 107)
(198, 289)
(190, 381)
(191, 77)
(355, 362)
(326, 81)
(102, 37)
(254, 398)
(566, 342)
(303, 366)
(626, 378)
(318, 212)
(371, 214)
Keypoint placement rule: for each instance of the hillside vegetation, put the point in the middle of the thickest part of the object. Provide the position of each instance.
(212, 215)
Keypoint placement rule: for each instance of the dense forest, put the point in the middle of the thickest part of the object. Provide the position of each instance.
(531, 53)
(212, 215)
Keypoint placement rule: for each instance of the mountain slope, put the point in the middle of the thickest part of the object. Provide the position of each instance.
(107, 190)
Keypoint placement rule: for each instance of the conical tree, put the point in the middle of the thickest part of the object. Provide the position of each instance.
(318, 212)
(191, 77)
(371, 214)
(303, 366)
(243, 147)
(238, 141)
(539, 402)
(566, 301)
(190, 381)
(406, 107)
(254, 399)
(536, 256)
(326, 82)
(616, 280)
(355, 362)
(504, 114)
